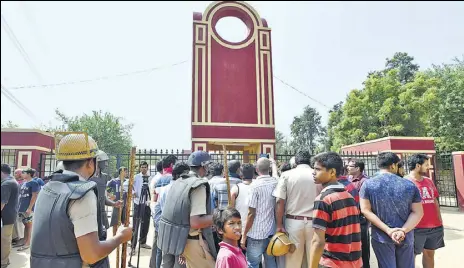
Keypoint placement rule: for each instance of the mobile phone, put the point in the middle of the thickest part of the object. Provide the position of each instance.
(264, 155)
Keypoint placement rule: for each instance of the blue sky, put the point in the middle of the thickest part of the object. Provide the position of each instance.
(323, 48)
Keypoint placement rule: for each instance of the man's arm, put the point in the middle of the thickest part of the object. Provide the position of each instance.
(317, 248)
(83, 214)
(280, 193)
(5, 195)
(275, 173)
(92, 249)
(198, 217)
(250, 219)
(233, 195)
(279, 212)
(417, 211)
(35, 191)
(322, 214)
(366, 210)
(437, 206)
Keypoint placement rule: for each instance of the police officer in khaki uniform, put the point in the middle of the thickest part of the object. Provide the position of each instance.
(67, 230)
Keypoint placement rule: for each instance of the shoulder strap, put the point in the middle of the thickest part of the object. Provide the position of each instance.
(238, 189)
(80, 188)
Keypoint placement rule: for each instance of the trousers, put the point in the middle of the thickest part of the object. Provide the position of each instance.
(7, 233)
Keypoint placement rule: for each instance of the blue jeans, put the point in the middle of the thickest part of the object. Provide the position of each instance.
(256, 248)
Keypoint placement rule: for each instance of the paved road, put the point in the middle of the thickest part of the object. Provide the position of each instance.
(446, 257)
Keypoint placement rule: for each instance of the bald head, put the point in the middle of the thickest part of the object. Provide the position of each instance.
(263, 165)
(17, 174)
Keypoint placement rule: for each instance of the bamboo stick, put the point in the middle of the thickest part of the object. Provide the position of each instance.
(226, 174)
(128, 204)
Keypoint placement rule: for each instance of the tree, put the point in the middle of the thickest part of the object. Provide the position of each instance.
(402, 62)
(108, 130)
(10, 124)
(305, 129)
(400, 101)
(335, 116)
(282, 144)
(444, 106)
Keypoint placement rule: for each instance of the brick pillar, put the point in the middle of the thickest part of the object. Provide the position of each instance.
(458, 162)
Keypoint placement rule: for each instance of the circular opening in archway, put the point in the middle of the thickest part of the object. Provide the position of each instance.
(232, 29)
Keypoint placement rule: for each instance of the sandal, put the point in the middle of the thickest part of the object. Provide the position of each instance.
(23, 248)
(18, 245)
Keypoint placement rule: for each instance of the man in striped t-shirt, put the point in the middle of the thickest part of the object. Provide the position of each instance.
(337, 232)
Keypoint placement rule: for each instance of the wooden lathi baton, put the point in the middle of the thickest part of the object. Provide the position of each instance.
(128, 204)
(119, 216)
(226, 175)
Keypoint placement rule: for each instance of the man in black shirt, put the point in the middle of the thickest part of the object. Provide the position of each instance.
(10, 192)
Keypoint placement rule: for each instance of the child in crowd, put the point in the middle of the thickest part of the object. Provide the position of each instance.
(228, 224)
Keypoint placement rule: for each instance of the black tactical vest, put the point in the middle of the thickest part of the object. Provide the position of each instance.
(53, 241)
(102, 181)
(174, 225)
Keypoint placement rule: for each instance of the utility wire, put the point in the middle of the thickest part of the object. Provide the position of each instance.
(301, 92)
(99, 78)
(17, 102)
(19, 47)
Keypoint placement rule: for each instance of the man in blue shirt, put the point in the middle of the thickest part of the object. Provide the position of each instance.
(28, 195)
(394, 207)
(37, 179)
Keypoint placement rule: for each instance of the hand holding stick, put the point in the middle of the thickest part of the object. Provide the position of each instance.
(128, 203)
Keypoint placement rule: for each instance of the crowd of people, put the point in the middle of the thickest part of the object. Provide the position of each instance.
(316, 211)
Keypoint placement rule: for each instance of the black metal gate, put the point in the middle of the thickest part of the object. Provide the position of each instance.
(445, 179)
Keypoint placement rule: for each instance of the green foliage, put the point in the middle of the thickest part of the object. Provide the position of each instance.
(282, 143)
(399, 101)
(108, 130)
(10, 124)
(306, 129)
(403, 63)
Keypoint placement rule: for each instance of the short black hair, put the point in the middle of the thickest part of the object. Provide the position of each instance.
(386, 159)
(221, 216)
(248, 171)
(358, 163)
(215, 169)
(168, 160)
(29, 171)
(303, 157)
(415, 159)
(144, 163)
(400, 164)
(159, 166)
(179, 169)
(234, 166)
(285, 167)
(6, 169)
(329, 160)
(121, 169)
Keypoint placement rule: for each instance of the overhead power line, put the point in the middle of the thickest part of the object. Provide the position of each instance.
(17, 102)
(20, 48)
(99, 78)
(301, 92)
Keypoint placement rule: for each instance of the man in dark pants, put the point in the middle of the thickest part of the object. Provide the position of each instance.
(138, 215)
(357, 177)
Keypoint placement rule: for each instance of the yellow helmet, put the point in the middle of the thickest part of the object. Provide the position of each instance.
(279, 245)
(74, 146)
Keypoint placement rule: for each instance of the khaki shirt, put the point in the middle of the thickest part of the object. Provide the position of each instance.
(83, 213)
(297, 188)
(198, 205)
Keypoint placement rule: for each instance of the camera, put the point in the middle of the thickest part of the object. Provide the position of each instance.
(145, 179)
